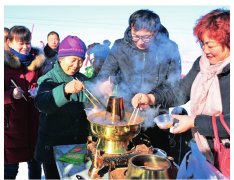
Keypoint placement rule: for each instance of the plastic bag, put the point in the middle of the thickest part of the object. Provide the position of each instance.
(74, 156)
(195, 166)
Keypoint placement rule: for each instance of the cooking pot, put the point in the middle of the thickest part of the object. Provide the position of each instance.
(148, 166)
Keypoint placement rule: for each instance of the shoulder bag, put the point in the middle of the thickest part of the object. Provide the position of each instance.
(221, 150)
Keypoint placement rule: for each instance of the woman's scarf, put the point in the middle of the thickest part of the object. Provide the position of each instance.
(49, 52)
(206, 98)
(25, 59)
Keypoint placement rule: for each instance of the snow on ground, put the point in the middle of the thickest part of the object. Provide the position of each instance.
(23, 172)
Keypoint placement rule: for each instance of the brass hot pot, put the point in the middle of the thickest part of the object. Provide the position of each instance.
(113, 138)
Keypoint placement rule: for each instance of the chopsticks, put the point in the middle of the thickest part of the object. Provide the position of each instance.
(92, 96)
(13, 82)
(134, 113)
(88, 94)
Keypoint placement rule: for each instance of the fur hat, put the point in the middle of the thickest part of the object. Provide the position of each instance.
(72, 46)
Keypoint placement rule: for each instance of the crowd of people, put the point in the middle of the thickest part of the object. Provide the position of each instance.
(44, 100)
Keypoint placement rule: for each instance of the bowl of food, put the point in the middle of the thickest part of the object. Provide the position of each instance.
(164, 121)
(148, 166)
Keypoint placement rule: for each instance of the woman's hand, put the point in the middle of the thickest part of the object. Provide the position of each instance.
(142, 100)
(18, 93)
(73, 86)
(185, 123)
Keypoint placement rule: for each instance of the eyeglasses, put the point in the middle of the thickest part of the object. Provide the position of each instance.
(145, 39)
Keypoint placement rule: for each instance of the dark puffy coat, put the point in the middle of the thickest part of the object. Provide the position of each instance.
(62, 121)
(51, 58)
(180, 94)
(142, 70)
(20, 117)
(49, 64)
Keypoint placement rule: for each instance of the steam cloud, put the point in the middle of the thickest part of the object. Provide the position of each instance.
(145, 76)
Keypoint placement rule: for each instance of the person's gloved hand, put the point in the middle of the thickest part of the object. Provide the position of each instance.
(33, 92)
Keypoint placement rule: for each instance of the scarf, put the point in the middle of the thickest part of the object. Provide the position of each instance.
(206, 98)
(49, 52)
(25, 59)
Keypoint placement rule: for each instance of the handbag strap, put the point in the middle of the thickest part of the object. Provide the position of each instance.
(224, 124)
(216, 136)
(221, 117)
(215, 130)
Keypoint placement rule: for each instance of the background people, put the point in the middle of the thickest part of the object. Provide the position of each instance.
(144, 59)
(96, 56)
(51, 51)
(207, 85)
(6, 32)
(60, 100)
(22, 65)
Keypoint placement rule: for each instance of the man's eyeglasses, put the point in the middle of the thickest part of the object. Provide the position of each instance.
(145, 39)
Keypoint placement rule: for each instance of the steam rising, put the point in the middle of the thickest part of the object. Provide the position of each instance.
(149, 115)
(136, 71)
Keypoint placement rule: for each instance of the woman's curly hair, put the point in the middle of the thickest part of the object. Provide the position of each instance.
(217, 26)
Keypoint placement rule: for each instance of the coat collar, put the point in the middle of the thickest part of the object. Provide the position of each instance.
(13, 61)
(64, 77)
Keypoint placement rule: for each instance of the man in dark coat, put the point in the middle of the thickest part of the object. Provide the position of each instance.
(144, 59)
(51, 51)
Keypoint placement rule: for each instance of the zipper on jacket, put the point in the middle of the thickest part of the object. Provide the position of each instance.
(143, 69)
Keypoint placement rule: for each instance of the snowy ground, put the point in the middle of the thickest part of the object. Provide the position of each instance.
(23, 172)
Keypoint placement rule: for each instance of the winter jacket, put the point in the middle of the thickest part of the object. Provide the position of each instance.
(49, 64)
(20, 116)
(51, 58)
(180, 94)
(62, 119)
(142, 70)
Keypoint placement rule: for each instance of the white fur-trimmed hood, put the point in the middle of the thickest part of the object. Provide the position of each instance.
(13, 61)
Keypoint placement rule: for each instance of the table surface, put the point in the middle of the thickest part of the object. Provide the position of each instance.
(71, 171)
(67, 170)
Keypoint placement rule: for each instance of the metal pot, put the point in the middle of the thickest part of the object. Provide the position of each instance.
(113, 138)
(148, 166)
(115, 109)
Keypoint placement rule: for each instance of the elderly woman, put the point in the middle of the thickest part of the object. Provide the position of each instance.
(207, 85)
(60, 101)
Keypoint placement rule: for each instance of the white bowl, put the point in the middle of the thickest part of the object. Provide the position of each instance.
(164, 121)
